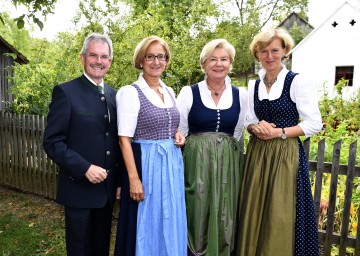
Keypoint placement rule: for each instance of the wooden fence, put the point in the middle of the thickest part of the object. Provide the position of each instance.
(23, 162)
(25, 166)
(327, 236)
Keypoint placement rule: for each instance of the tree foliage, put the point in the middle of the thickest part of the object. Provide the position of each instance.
(19, 38)
(251, 16)
(183, 24)
(266, 11)
(51, 63)
(187, 25)
(36, 9)
(298, 33)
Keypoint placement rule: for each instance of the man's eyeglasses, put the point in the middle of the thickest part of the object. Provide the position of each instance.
(96, 57)
(151, 57)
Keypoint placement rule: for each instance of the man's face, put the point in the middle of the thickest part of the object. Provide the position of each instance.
(97, 60)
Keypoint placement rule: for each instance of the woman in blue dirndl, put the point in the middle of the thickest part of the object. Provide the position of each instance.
(152, 217)
(276, 207)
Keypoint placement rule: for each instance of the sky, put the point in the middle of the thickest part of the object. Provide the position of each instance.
(60, 21)
(65, 10)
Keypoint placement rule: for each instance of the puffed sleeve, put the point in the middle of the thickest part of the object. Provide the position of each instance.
(243, 97)
(184, 102)
(127, 106)
(250, 115)
(303, 92)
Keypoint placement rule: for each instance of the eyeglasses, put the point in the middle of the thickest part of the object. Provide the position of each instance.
(96, 57)
(274, 52)
(152, 57)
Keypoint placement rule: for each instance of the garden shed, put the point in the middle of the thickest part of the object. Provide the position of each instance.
(8, 56)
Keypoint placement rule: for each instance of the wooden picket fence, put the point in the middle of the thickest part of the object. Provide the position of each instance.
(328, 237)
(23, 162)
(25, 166)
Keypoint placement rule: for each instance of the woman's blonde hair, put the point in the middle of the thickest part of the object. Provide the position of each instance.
(212, 45)
(264, 38)
(142, 47)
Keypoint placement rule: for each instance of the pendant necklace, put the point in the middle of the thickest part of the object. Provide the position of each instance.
(216, 92)
(267, 83)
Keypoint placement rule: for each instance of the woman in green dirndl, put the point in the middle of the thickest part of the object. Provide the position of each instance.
(212, 114)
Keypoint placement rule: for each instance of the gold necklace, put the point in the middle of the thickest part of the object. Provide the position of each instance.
(216, 92)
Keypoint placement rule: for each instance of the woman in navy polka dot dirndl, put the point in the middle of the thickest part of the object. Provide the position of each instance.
(276, 206)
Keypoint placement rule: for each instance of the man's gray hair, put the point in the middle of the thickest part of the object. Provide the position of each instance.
(97, 37)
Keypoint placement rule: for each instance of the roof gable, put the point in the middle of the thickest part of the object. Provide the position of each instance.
(19, 57)
(345, 7)
(292, 19)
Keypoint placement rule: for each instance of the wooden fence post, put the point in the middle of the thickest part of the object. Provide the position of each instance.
(347, 202)
(332, 198)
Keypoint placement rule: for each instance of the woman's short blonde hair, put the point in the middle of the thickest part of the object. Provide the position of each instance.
(264, 38)
(212, 45)
(143, 46)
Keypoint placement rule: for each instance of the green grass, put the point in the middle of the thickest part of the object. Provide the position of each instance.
(21, 237)
(31, 225)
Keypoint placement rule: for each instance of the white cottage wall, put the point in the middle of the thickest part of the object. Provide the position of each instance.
(327, 47)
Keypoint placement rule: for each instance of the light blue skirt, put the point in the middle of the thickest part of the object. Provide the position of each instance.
(161, 219)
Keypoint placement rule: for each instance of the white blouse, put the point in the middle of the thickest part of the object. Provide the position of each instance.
(302, 92)
(185, 100)
(128, 104)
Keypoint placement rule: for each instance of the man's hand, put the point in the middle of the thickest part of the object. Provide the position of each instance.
(96, 174)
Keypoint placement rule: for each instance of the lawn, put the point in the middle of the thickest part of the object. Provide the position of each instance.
(31, 225)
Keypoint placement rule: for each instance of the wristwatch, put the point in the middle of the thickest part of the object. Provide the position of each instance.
(283, 135)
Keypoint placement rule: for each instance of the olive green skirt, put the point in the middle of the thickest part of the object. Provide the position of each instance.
(268, 198)
(212, 190)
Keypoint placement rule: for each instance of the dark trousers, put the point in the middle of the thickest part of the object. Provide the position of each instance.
(88, 231)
